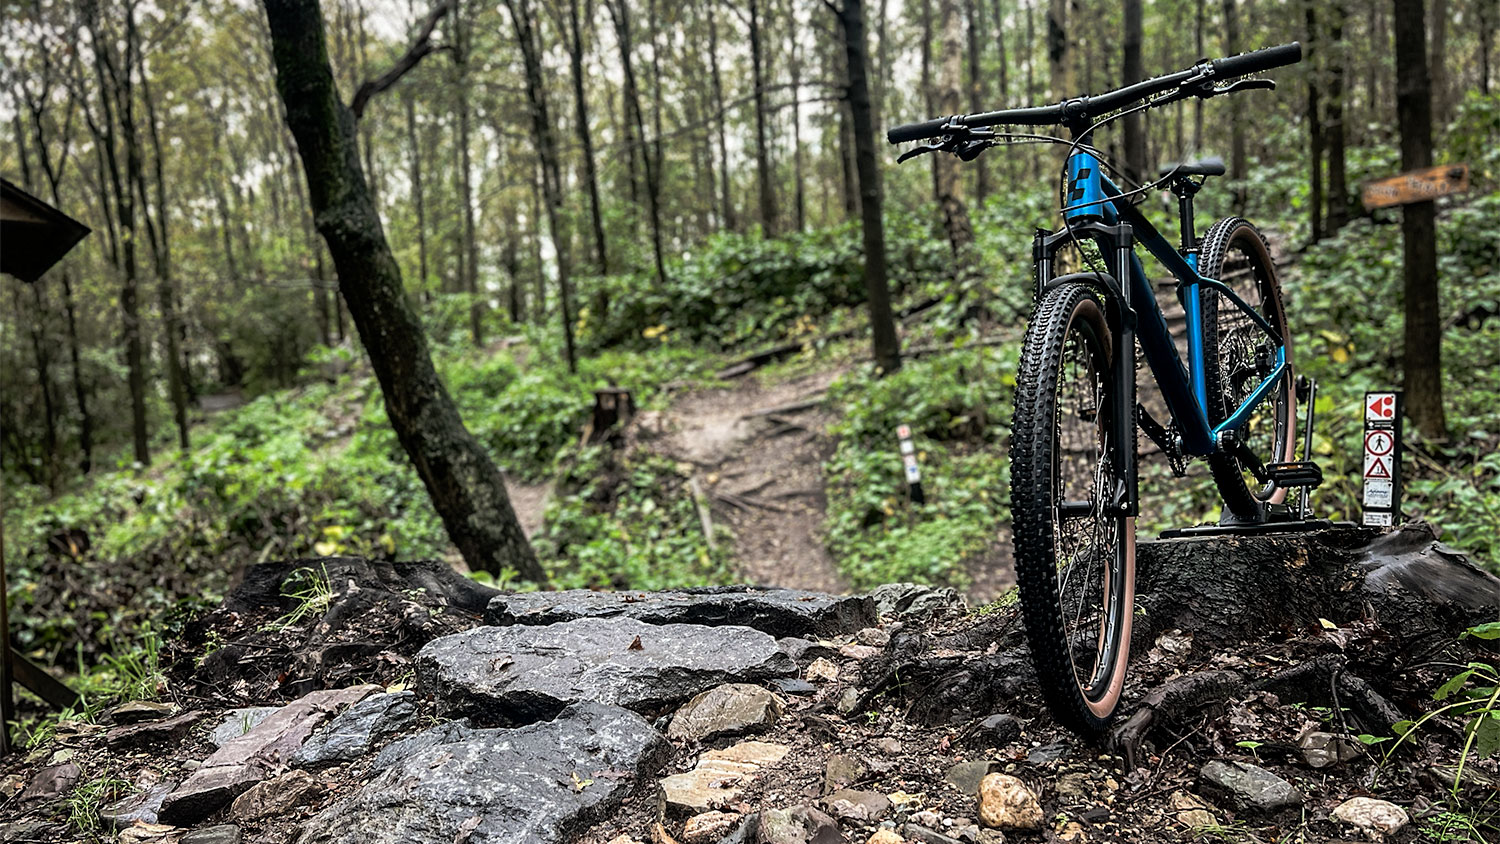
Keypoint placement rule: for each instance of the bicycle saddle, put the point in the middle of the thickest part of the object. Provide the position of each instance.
(1211, 166)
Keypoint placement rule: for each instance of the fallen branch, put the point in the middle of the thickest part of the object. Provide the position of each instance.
(410, 59)
(793, 407)
(705, 519)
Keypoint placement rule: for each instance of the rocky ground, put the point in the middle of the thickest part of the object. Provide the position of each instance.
(341, 700)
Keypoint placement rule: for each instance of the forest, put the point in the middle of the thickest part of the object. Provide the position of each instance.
(634, 295)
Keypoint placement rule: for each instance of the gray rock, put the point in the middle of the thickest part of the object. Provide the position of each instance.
(237, 722)
(277, 796)
(1323, 750)
(1249, 787)
(915, 601)
(241, 763)
(803, 651)
(848, 701)
(793, 686)
(873, 636)
(965, 776)
(923, 835)
(1048, 753)
(719, 776)
(779, 612)
(542, 783)
(857, 805)
(356, 729)
(447, 732)
(520, 674)
(730, 709)
(28, 832)
(842, 771)
(51, 782)
(136, 711)
(142, 806)
(997, 730)
(797, 825)
(224, 833)
(147, 733)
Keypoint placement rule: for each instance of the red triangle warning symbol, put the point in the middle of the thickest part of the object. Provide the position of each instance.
(1379, 468)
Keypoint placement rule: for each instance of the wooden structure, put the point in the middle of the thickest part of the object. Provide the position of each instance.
(1416, 186)
(33, 237)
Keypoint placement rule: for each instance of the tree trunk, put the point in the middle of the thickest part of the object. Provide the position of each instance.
(1442, 94)
(418, 197)
(467, 490)
(1486, 40)
(726, 200)
(799, 197)
(882, 324)
(1134, 71)
(1338, 184)
(950, 188)
(1423, 355)
(1059, 58)
(1200, 13)
(586, 141)
(763, 176)
(1314, 124)
(1237, 171)
(620, 11)
(462, 36)
(523, 17)
(974, 26)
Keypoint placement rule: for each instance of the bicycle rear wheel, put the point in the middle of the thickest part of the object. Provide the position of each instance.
(1238, 355)
(1075, 559)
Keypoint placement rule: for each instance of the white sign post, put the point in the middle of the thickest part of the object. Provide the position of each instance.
(1382, 464)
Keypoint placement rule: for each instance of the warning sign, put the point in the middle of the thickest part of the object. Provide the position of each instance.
(1378, 467)
(1379, 443)
(1380, 407)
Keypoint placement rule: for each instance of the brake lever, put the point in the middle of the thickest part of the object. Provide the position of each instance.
(920, 150)
(1246, 85)
(964, 142)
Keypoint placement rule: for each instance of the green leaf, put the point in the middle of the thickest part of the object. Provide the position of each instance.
(1488, 630)
(1454, 684)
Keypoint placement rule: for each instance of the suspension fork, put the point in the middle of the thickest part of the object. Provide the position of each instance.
(1127, 496)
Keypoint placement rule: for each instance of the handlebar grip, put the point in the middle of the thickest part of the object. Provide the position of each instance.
(916, 131)
(1247, 63)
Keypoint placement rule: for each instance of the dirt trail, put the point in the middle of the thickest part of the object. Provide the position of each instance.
(758, 452)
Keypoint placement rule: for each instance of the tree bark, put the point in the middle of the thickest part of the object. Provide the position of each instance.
(766, 190)
(1337, 137)
(1442, 94)
(586, 140)
(620, 12)
(726, 200)
(462, 36)
(1059, 57)
(977, 94)
(950, 189)
(1423, 355)
(418, 196)
(1314, 124)
(886, 345)
(467, 489)
(1237, 171)
(1134, 71)
(523, 16)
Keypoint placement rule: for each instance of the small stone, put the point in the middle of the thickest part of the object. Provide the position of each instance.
(137, 711)
(728, 709)
(1048, 753)
(848, 701)
(968, 832)
(873, 636)
(147, 733)
(622, 838)
(1006, 803)
(927, 818)
(924, 835)
(710, 826)
(888, 746)
(1190, 811)
(797, 825)
(991, 836)
(906, 802)
(719, 776)
(277, 796)
(858, 651)
(51, 782)
(841, 771)
(966, 776)
(793, 686)
(1250, 787)
(354, 732)
(997, 730)
(140, 833)
(1073, 831)
(1324, 750)
(1378, 817)
(821, 670)
(1076, 789)
(885, 836)
(915, 601)
(857, 805)
(140, 807)
(222, 834)
(802, 651)
(238, 722)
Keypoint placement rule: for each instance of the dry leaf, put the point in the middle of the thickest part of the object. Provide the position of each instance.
(636, 645)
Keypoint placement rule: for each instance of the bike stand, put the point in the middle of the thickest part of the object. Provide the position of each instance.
(1302, 475)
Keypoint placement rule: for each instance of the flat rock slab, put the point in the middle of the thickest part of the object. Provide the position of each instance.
(779, 612)
(520, 674)
(730, 709)
(355, 730)
(719, 776)
(541, 784)
(237, 722)
(242, 762)
(1249, 787)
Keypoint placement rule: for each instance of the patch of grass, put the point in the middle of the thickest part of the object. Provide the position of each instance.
(87, 799)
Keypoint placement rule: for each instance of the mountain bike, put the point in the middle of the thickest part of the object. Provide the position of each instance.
(1074, 492)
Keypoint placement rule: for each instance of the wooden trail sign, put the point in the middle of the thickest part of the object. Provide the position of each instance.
(1416, 186)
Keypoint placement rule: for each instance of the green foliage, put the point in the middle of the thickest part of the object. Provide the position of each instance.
(958, 406)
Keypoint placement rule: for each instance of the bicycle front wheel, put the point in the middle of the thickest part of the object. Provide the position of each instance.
(1238, 356)
(1075, 556)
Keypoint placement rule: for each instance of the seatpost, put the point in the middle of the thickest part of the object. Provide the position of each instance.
(1185, 214)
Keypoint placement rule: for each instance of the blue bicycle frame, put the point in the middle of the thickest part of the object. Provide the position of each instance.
(1095, 208)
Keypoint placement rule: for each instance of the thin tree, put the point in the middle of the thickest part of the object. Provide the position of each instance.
(1314, 122)
(1423, 355)
(765, 187)
(1335, 132)
(886, 345)
(1134, 71)
(467, 489)
(463, 33)
(635, 138)
(586, 138)
(950, 192)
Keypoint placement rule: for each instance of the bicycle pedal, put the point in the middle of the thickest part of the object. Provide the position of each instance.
(1297, 473)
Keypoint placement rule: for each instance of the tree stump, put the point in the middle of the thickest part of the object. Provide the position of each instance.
(614, 407)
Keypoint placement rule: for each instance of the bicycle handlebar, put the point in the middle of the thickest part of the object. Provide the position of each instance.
(1083, 109)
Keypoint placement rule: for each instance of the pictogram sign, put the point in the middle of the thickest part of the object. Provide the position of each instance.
(1382, 460)
(909, 463)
